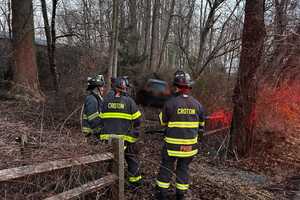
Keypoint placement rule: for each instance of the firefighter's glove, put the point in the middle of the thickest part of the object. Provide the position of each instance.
(92, 139)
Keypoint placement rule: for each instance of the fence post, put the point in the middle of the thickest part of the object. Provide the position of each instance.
(24, 151)
(118, 168)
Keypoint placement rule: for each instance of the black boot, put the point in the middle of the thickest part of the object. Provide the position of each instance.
(160, 195)
(136, 185)
(179, 196)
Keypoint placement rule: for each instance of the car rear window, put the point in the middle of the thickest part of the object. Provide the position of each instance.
(157, 87)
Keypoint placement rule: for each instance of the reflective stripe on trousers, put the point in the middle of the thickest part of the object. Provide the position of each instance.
(134, 179)
(166, 170)
(182, 154)
(181, 141)
(127, 138)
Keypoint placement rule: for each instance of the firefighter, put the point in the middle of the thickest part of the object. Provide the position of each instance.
(111, 92)
(92, 108)
(184, 120)
(120, 116)
(174, 90)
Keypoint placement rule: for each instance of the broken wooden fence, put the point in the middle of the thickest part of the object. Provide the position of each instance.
(114, 179)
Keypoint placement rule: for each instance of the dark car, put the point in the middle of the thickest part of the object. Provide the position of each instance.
(154, 93)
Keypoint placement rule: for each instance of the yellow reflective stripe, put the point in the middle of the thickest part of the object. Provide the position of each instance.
(115, 115)
(183, 124)
(136, 115)
(124, 137)
(182, 186)
(182, 154)
(135, 179)
(162, 184)
(84, 117)
(105, 136)
(161, 119)
(129, 138)
(181, 141)
(87, 130)
(201, 123)
(93, 116)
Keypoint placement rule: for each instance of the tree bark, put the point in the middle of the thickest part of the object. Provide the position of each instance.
(289, 70)
(280, 23)
(146, 29)
(51, 40)
(134, 36)
(243, 123)
(9, 19)
(166, 36)
(112, 71)
(154, 37)
(25, 70)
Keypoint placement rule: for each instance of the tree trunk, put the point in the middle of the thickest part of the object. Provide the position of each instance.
(112, 71)
(9, 19)
(280, 19)
(289, 70)
(51, 40)
(166, 36)
(146, 29)
(25, 70)
(134, 36)
(9, 73)
(243, 123)
(154, 37)
(204, 32)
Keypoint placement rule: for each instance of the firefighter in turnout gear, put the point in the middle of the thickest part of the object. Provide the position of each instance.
(174, 90)
(184, 120)
(92, 107)
(120, 116)
(112, 91)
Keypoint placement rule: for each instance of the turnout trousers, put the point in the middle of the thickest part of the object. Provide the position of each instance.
(166, 170)
(131, 158)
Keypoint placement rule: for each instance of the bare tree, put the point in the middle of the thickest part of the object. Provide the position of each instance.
(146, 25)
(242, 128)
(154, 36)
(134, 36)
(112, 72)
(50, 32)
(25, 71)
(166, 36)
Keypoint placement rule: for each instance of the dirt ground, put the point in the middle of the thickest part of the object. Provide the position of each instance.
(274, 173)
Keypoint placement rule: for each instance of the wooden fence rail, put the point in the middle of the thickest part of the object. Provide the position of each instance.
(116, 179)
(86, 188)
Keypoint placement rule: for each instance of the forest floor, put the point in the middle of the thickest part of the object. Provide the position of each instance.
(274, 173)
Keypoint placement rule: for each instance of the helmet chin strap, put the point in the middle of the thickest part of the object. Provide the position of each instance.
(98, 92)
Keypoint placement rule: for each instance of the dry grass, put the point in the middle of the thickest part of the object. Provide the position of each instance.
(49, 140)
